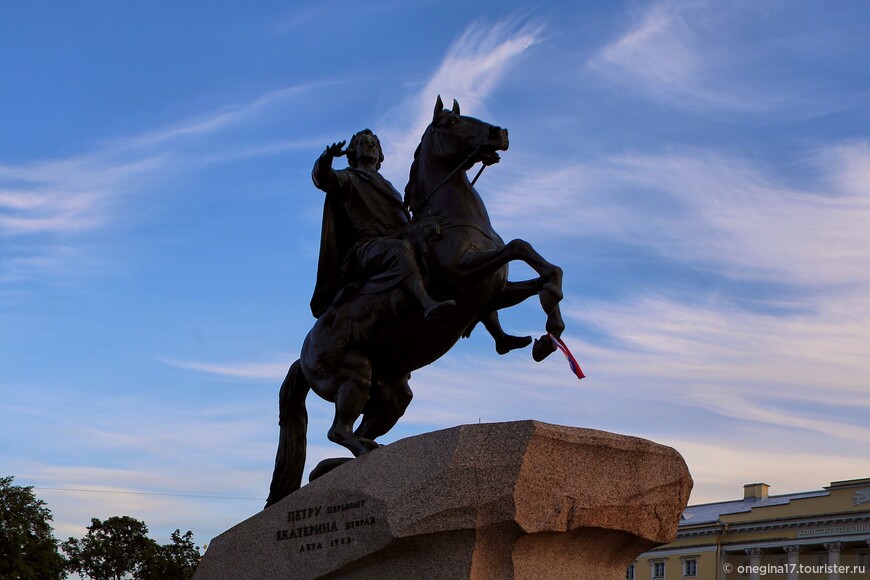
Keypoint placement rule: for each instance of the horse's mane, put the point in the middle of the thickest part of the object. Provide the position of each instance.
(412, 195)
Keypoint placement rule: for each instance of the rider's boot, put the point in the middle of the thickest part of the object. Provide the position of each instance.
(504, 342)
(508, 342)
(431, 308)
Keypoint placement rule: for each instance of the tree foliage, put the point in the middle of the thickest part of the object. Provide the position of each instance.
(120, 548)
(111, 550)
(116, 549)
(28, 548)
(174, 561)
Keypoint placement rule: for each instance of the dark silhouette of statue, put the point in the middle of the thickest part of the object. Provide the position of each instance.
(394, 294)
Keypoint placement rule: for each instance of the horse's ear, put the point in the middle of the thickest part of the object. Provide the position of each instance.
(439, 106)
(456, 107)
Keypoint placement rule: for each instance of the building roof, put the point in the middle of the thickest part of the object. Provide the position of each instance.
(711, 512)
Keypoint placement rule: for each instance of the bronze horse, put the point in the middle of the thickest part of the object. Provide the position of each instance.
(360, 353)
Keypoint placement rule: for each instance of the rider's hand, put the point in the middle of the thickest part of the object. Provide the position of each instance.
(336, 149)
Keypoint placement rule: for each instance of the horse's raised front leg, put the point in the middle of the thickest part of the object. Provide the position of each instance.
(515, 292)
(484, 263)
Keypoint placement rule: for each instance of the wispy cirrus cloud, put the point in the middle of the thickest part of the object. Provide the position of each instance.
(26, 261)
(221, 119)
(71, 195)
(682, 53)
(470, 71)
(701, 207)
(52, 202)
(825, 343)
(749, 410)
(847, 166)
(737, 216)
(272, 371)
(66, 196)
(477, 61)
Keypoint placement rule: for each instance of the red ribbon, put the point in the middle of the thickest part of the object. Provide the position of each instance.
(572, 362)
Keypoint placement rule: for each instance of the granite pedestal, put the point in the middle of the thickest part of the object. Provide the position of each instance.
(520, 500)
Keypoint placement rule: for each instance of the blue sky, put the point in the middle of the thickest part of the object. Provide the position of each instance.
(701, 171)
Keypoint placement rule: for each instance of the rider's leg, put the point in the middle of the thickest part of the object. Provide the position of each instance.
(350, 399)
(387, 404)
(413, 283)
(504, 342)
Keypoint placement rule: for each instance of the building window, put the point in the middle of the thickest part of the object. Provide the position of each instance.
(658, 570)
(690, 568)
(629, 574)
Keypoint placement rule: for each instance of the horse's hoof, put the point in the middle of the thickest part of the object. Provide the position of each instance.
(368, 444)
(543, 348)
(508, 343)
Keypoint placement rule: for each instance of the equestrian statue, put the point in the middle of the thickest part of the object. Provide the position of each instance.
(399, 282)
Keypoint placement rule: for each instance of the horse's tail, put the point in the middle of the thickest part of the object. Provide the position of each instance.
(293, 420)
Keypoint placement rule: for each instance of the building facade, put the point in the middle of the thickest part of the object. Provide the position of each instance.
(814, 535)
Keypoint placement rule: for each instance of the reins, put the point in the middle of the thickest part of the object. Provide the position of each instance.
(460, 223)
(482, 167)
(452, 173)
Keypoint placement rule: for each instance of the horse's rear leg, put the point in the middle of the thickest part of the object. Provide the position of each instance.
(350, 399)
(388, 401)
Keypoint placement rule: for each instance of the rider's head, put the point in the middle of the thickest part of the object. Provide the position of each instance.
(365, 148)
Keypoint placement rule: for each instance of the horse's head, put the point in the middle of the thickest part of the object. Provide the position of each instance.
(454, 139)
(450, 144)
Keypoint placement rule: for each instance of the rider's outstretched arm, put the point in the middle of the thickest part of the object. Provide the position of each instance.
(323, 175)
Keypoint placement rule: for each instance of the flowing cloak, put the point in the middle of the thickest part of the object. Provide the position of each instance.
(363, 216)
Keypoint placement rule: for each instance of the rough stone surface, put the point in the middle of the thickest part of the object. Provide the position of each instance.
(518, 500)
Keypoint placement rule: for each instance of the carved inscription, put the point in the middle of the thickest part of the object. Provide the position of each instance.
(305, 531)
(330, 526)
